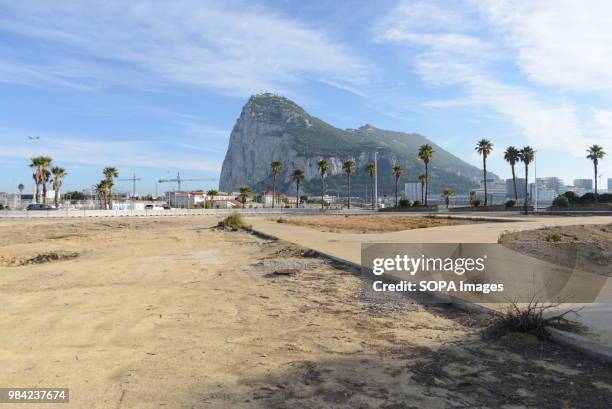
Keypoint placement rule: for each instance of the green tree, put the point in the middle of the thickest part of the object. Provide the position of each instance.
(484, 147)
(512, 156)
(323, 166)
(245, 193)
(41, 176)
(595, 154)
(277, 167)
(425, 154)
(297, 176)
(110, 173)
(447, 194)
(371, 169)
(212, 193)
(349, 167)
(58, 177)
(472, 194)
(397, 173)
(102, 190)
(527, 155)
(422, 179)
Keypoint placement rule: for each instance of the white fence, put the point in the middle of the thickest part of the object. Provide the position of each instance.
(72, 213)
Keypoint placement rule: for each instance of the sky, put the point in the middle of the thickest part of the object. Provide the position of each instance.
(154, 87)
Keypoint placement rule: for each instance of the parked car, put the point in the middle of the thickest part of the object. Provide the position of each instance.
(40, 206)
(153, 207)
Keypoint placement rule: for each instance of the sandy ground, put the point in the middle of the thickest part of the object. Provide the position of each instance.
(587, 248)
(145, 313)
(368, 224)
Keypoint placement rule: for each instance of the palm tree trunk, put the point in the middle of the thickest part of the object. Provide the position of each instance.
(44, 192)
(37, 198)
(514, 183)
(526, 188)
(297, 195)
(372, 183)
(396, 180)
(426, 182)
(422, 192)
(596, 198)
(322, 191)
(484, 165)
(273, 189)
(349, 191)
(110, 198)
(56, 198)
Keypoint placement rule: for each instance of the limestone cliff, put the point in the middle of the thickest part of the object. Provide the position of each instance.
(271, 127)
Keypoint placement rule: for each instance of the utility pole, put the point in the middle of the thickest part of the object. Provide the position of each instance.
(375, 204)
(535, 174)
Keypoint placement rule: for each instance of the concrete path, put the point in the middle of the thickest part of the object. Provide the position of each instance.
(347, 247)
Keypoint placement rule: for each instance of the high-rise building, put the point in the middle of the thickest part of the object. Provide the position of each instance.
(496, 191)
(609, 185)
(586, 184)
(552, 183)
(520, 188)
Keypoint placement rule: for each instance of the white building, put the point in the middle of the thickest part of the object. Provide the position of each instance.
(412, 191)
(10, 200)
(496, 191)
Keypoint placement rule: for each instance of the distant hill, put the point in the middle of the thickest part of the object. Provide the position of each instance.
(272, 127)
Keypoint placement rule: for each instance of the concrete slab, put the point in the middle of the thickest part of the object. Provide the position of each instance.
(347, 247)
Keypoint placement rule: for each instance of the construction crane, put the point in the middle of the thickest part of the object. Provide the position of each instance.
(133, 179)
(179, 180)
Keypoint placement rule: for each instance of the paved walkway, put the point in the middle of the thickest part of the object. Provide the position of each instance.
(347, 246)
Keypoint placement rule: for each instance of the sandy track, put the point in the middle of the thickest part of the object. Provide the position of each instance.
(169, 313)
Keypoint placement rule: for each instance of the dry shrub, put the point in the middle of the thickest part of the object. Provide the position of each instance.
(554, 237)
(529, 319)
(234, 222)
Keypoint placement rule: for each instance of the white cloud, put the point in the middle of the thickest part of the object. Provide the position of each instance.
(564, 43)
(129, 153)
(452, 53)
(229, 47)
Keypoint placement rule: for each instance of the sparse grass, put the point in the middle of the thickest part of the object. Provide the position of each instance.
(529, 319)
(369, 224)
(234, 222)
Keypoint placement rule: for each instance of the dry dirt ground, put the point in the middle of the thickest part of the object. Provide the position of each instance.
(145, 313)
(369, 224)
(588, 248)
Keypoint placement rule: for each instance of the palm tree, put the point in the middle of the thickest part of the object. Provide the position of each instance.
(110, 173)
(297, 176)
(422, 179)
(595, 153)
(58, 176)
(41, 175)
(349, 167)
(484, 147)
(277, 167)
(511, 155)
(397, 173)
(322, 165)
(212, 193)
(447, 194)
(35, 164)
(527, 155)
(472, 194)
(245, 192)
(425, 154)
(102, 190)
(371, 169)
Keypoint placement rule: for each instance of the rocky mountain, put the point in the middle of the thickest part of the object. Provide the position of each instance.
(272, 127)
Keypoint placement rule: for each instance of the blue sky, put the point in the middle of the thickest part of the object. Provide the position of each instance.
(154, 87)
